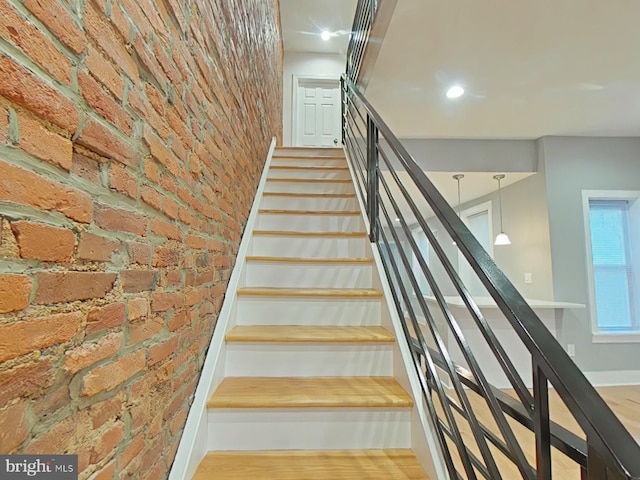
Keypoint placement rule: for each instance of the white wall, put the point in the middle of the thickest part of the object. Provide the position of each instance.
(311, 64)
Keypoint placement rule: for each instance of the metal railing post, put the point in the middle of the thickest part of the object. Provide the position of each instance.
(372, 178)
(343, 100)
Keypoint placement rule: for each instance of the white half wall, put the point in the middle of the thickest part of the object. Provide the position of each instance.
(306, 64)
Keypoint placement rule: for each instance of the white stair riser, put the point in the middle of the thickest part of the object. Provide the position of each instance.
(310, 223)
(309, 275)
(306, 429)
(308, 203)
(308, 360)
(308, 311)
(297, 173)
(314, 247)
(308, 187)
(309, 152)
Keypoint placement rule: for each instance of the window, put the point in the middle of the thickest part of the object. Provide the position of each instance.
(612, 222)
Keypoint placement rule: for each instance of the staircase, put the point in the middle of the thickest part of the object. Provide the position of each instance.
(313, 384)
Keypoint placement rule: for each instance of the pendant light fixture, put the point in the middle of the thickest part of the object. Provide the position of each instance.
(502, 238)
(457, 177)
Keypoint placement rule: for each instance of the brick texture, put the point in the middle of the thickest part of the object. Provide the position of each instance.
(132, 138)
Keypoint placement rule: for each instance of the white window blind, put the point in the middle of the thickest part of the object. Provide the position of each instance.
(612, 268)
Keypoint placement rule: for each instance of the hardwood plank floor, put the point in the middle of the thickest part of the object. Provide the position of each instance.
(309, 334)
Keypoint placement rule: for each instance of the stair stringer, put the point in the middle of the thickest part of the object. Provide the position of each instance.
(193, 443)
(424, 442)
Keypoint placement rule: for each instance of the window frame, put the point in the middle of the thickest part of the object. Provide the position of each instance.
(632, 198)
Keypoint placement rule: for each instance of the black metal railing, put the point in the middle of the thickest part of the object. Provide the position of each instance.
(365, 12)
(482, 431)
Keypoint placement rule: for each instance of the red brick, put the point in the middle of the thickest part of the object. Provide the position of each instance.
(131, 451)
(110, 42)
(170, 208)
(120, 21)
(42, 242)
(134, 281)
(108, 442)
(23, 337)
(103, 141)
(173, 278)
(151, 197)
(169, 183)
(165, 257)
(36, 140)
(27, 188)
(107, 411)
(59, 22)
(110, 376)
(15, 427)
(105, 318)
(144, 330)
(177, 321)
(122, 181)
(90, 353)
(151, 171)
(22, 87)
(138, 308)
(95, 248)
(104, 104)
(139, 253)
(155, 98)
(193, 297)
(15, 291)
(120, 220)
(28, 380)
(36, 46)
(178, 421)
(160, 352)
(104, 72)
(166, 229)
(86, 168)
(62, 287)
(160, 152)
(196, 242)
(161, 302)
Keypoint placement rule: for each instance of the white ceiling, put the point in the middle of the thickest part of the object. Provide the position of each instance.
(304, 20)
(530, 68)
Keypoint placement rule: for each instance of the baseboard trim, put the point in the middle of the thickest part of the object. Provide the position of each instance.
(612, 378)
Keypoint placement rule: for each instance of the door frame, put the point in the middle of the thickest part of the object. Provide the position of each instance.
(295, 84)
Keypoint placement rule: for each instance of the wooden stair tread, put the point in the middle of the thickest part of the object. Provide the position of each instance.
(399, 464)
(314, 195)
(309, 334)
(294, 233)
(309, 180)
(275, 211)
(332, 260)
(309, 392)
(312, 168)
(310, 292)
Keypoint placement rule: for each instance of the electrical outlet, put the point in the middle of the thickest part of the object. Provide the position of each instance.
(571, 349)
(528, 278)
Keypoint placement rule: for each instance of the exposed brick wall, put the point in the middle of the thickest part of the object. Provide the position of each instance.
(132, 137)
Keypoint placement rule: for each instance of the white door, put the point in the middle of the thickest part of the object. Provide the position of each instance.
(478, 220)
(318, 113)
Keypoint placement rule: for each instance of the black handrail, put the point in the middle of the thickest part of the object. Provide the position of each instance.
(365, 12)
(609, 451)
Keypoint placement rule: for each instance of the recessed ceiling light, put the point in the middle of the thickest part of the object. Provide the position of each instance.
(325, 35)
(455, 91)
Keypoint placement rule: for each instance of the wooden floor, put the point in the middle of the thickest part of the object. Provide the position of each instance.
(624, 401)
(327, 334)
(311, 465)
